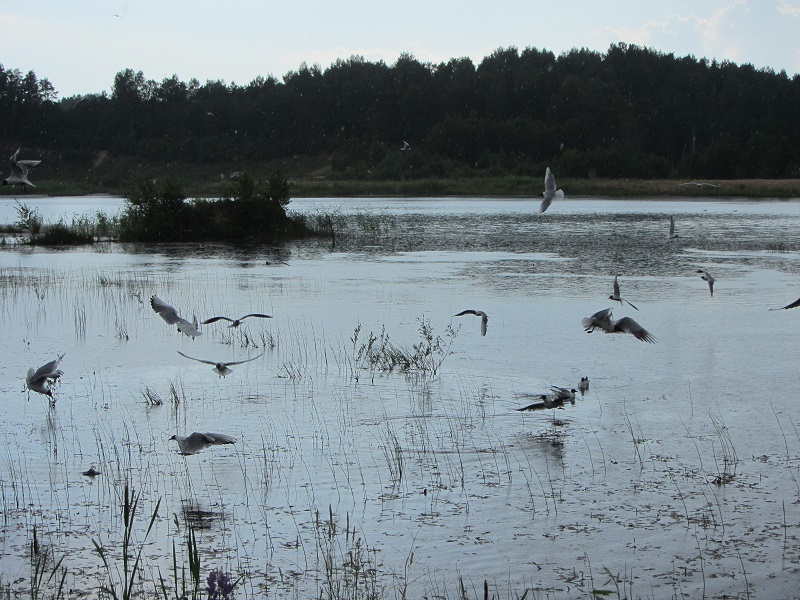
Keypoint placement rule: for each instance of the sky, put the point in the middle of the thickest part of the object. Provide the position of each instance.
(80, 45)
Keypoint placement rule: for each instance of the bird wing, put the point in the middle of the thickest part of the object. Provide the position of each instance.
(208, 362)
(671, 225)
(601, 319)
(13, 157)
(50, 370)
(216, 438)
(164, 310)
(549, 183)
(548, 200)
(631, 305)
(214, 319)
(469, 311)
(484, 323)
(794, 304)
(260, 315)
(616, 287)
(628, 325)
(239, 362)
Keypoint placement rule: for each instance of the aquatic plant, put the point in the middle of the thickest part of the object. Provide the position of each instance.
(130, 504)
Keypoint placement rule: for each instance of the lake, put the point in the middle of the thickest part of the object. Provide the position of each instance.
(677, 474)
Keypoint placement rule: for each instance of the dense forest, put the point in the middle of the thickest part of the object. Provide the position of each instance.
(629, 112)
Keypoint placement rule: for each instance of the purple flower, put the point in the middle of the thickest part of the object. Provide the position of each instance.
(220, 587)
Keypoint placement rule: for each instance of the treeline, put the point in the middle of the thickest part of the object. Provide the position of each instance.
(629, 112)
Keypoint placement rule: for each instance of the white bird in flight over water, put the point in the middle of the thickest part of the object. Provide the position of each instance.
(672, 234)
(478, 313)
(221, 368)
(615, 296)
(192, 444)
(706, 277)
(19, 171)
(604, 321)
(171, 316)
(794, 304)
(550, 191)
(236, 322)
(37, 380)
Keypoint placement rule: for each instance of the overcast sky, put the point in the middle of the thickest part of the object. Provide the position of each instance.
(79, 45)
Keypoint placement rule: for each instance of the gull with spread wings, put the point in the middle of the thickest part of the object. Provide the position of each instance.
(478, 313)
(220, 368)
(550, 191)
(39, 380)
(192, 444)
(171, 316)
(615, 296)
(604, 321)
(236, 322)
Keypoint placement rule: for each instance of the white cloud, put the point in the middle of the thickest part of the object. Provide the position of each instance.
(788, 9)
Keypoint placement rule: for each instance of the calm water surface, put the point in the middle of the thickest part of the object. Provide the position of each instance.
(678, 472)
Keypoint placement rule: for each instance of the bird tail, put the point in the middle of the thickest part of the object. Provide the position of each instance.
(588, 324)
(559, 195)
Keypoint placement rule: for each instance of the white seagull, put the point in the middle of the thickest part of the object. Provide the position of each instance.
(615, 296)
(192, 444)
(220, 368)
(672, 235)
(550, 191)
(706, 277)
(604, 321)
(583, 386)
(236, 322)
(478, 313)
(171, 316)
(37, 380)
(19, 171)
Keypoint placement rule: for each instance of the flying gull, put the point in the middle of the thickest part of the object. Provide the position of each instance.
(604, 321)
(615, 296)
(706, 277)
(550, 191)
(478, 313)
(236, 322)
(220, 368)
(171, 316)
(19, 171)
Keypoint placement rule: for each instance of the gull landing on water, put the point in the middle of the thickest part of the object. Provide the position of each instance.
(192, 444)
(236, 322)
(615, 296)
(220, 368)
(706, 277)
(550, 191)
(37, 380)
(604, 321)
(171, 316)
(478, 313)
(19, 171)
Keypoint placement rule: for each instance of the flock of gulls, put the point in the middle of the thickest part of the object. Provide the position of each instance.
(42, 379)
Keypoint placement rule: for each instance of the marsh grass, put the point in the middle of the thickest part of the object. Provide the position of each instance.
(44, 571)
(124, 589)
(724, 452)
(379, 354)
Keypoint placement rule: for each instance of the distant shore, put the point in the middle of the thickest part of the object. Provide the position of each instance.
(505, 186)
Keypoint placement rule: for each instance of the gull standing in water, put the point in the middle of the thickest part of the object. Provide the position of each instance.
(706, 277)
(192, 444)
(583, 386)
(37, 380)
(236, 322)
(171, 316)
(615, 296)
(479, 313)
(550, 191)
(604, 321)
(220, 368)
(19, 171)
